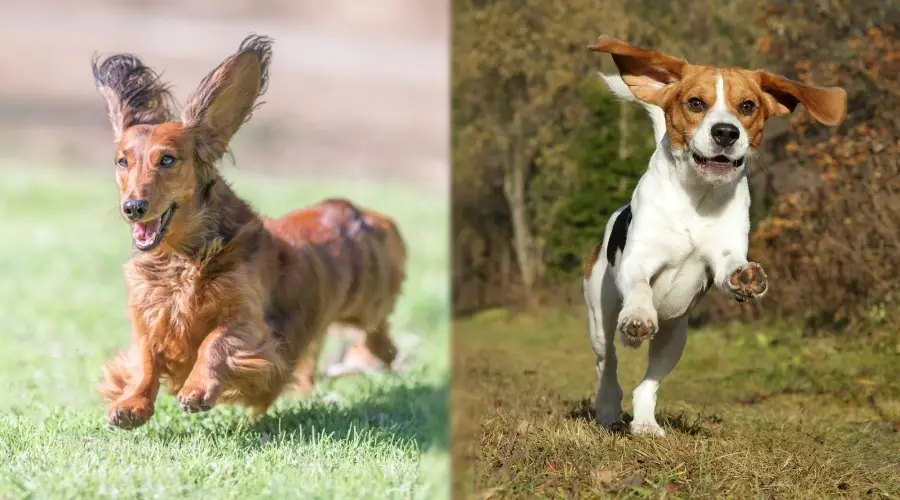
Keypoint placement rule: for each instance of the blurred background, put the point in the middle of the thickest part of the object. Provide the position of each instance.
(542, 154)
(358, 89)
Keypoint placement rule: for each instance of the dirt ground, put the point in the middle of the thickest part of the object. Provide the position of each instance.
(357, 89)
(749, 412)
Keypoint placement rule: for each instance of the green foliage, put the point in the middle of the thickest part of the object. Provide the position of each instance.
(605, 181)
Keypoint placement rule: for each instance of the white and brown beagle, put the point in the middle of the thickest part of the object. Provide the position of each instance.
(687, 226)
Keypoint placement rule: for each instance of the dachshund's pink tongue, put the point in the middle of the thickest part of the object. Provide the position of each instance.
(145, 232)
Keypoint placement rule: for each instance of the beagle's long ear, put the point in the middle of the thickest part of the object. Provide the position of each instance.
(646, 72)
(133, 92)
(828, 105)
(227, 96)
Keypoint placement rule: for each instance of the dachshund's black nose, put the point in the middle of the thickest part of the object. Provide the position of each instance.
(135, 209)
(725, 134)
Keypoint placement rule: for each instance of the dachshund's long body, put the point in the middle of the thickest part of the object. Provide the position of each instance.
(227, 305)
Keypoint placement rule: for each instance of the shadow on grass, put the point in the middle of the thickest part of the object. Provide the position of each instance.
(391, 416)
(583, 410)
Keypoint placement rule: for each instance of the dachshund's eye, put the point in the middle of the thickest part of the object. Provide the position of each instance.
(166, 161)
(747, 108)
(696, 104)
(122, 162)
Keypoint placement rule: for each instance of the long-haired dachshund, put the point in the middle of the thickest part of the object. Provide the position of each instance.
(227, 305)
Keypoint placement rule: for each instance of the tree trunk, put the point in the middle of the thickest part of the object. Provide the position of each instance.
(523, 241)
(505, 261)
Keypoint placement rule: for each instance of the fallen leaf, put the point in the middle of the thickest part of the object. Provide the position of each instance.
(551, 468)
(523, 427)
(602, 477)
(672, 488)
(865, 381)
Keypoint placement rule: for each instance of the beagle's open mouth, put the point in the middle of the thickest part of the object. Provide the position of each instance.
(148, 234)
(717, 163)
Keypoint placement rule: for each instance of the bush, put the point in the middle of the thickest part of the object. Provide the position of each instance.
(831, 248)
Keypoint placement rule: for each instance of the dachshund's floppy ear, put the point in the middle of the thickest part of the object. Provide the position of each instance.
(133, 92)
(828, 105)
(226, 97)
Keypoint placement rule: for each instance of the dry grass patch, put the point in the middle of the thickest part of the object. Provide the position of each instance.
(748, 414)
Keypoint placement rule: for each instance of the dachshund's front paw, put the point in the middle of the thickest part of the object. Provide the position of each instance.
(130, 413)
(195, 399)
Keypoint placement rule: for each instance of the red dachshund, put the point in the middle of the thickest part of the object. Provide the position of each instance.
(227, 305)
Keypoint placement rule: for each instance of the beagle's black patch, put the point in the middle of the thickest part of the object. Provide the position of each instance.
(618, 235)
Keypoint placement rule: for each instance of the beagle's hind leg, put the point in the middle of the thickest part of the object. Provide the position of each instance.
(603, 305)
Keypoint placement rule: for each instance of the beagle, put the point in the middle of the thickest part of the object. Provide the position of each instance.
(687, 226)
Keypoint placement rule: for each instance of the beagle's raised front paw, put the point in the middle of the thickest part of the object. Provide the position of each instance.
(748, 281)
(637, 324)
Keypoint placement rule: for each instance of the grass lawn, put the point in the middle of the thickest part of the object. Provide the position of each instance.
(748, 414)
(62, 307)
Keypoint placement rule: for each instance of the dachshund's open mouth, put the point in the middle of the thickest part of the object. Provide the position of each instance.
(719, 163)
(149, 234)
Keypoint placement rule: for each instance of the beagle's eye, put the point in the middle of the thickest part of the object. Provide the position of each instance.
(122, 162)
(166, 161)
(696, 104)
(747, 108)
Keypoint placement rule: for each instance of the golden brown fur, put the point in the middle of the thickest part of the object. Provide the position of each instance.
(226, 305)
(592, 259)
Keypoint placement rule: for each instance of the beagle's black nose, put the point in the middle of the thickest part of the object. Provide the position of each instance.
(725, 134)
(135, 209)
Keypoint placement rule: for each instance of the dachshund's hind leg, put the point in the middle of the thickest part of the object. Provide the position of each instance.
(370, 352)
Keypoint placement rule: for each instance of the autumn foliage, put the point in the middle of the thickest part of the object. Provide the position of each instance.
(832, 248)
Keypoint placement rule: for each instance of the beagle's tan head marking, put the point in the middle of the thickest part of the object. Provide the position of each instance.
(716, 114)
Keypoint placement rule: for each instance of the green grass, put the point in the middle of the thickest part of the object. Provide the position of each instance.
(748, 413)
(62, 307)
